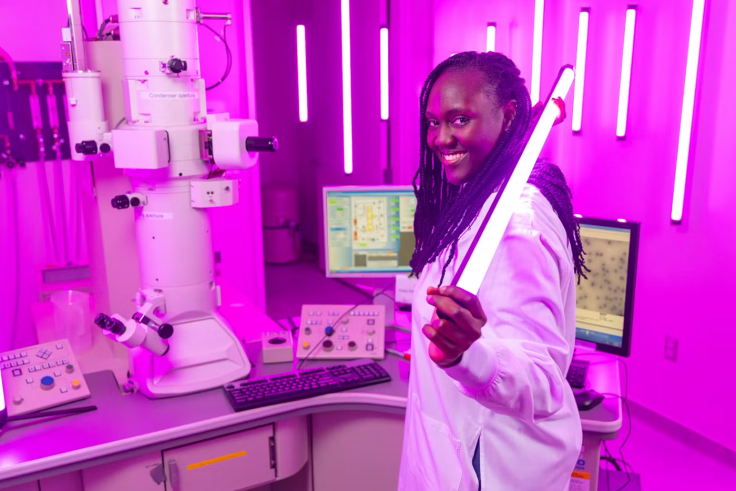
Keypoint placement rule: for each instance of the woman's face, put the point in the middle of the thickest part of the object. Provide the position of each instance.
(464, 123)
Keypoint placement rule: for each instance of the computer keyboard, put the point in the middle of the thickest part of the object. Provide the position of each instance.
(250, 394)
(577, 373)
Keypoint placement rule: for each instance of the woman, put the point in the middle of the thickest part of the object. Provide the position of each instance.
(489, 407)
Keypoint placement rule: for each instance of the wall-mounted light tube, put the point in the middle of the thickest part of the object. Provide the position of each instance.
(475, 264)
(623, 94)
(491, 37)
(688, 104)
(301, 68)
(384, 73)
(347, 102)
(577, 108)
(537, 50)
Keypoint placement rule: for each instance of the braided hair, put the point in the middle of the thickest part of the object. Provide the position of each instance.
(444, 210)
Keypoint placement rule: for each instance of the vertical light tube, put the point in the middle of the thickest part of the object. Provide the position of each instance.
(577, 108)
(347, 104)
(623, 94)
(688, 103)
(384, 73)
(301, 66)
(537, 50)
(491, 37)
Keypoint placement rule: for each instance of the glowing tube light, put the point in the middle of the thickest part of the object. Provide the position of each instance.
(384, 73)
(347, 103)
(478, 258)
(301, 65)
(537, 50)
(623, 94)
(577, 108)
(491, 37)
(688, 102)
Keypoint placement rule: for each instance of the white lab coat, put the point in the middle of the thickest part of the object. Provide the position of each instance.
(509, 389)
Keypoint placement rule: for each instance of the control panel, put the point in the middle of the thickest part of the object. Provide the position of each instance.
(341, 332)
(40, 377)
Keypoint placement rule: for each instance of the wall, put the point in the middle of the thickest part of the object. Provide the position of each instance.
(683, 281)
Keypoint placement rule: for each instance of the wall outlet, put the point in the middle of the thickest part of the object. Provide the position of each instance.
(670, 348)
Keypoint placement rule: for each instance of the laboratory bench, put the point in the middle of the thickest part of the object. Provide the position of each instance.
(345, 440)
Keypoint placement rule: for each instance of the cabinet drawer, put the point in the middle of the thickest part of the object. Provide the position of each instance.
(228, 463)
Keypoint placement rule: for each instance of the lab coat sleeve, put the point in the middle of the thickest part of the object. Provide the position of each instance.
(517, 366)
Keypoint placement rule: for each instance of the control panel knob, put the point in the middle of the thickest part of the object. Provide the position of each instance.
(307, 331)
(47, 382)
(352, 345)
(69, 368)
(329, 330)
(18, 399)
(76, 384)
(328, 345)
(305, 345)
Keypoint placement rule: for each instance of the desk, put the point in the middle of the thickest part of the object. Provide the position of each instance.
(129, 426)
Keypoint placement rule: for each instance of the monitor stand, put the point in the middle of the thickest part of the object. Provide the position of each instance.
(374, 287)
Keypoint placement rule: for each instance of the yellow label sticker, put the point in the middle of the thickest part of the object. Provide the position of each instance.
(581, 475)
(215, 460)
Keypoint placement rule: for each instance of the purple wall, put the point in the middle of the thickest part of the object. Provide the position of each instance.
(683, 288)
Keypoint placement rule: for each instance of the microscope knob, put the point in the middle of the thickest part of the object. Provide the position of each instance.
(261, 144)
(120, 202)
(166, 331)
(87, 147)
(176, 65)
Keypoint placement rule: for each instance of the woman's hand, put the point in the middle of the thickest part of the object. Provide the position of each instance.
(539, 107)
(449, 339)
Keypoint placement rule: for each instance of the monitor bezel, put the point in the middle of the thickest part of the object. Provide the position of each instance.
(325, 247)
(634, 229)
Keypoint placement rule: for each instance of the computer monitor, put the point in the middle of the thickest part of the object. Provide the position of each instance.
(605, 301)
(369, 231)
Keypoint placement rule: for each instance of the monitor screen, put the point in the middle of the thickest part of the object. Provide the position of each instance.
(605, 299)
(369, 231)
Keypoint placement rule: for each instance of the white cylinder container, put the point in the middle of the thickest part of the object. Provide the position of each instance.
(85, 109)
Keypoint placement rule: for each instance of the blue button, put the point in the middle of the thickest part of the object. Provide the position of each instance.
(47, 382)
(329, 330)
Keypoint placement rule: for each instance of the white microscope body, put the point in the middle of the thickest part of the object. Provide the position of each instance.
(168, 145)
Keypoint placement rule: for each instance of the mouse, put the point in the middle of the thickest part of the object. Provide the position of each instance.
(587, 399)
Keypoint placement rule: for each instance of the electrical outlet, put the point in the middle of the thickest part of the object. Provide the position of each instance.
(670, 348)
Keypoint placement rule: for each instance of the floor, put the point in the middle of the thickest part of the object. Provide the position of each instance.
(663, 460)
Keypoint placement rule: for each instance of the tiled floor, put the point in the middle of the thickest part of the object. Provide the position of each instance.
(663, 462)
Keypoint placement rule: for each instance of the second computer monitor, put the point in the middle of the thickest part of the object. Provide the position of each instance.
(369, 231)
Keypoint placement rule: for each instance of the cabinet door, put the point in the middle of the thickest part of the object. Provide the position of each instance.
(140, 473)
(228, 463)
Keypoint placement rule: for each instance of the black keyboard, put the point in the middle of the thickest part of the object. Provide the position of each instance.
(250, 394)
(577, 373)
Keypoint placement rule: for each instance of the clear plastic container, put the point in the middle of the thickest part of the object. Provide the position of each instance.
(73, 318)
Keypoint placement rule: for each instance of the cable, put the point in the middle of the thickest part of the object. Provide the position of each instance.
(319, 343)
(60, 412)
(119, 123)
(229, 55)
(626, 438)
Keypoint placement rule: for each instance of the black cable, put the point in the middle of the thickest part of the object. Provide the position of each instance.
(319, 343)
(229, 55)
(60, 412)
(626, 438)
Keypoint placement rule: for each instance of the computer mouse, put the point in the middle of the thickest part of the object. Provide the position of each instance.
(587, 399)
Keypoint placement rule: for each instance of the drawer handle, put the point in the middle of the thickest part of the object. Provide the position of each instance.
(174, 473)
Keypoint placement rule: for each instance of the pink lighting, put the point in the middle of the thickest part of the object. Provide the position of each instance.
(577, 108)
(491, 37)
(537, 50)
(623, 95)
(384, 73)
(347, 103)
(688, 102)
(301, 57)
(578, 215)
(621, 220)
